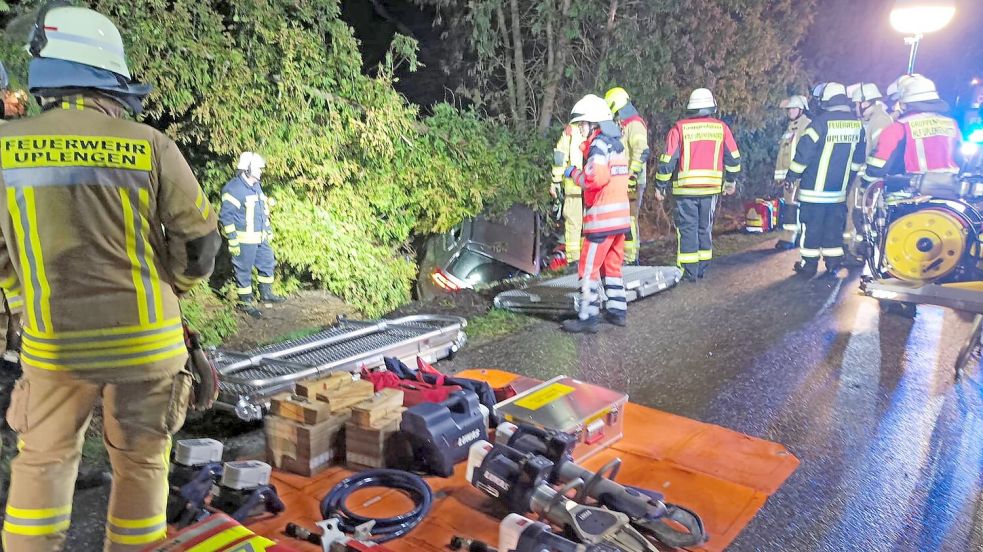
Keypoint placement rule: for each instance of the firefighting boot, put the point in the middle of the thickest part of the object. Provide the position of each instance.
(246, 305)
(807, 268)
(266, 294)
(784, 245)
(833, 266)
(582, 325)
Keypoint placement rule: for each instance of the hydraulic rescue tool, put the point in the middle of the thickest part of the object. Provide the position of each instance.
(520, 534)
(646, 509)
(245, 491)
(332, 539)
(518, 480)
(195, 469)
(440, 435)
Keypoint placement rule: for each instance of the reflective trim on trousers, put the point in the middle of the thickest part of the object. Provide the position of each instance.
(136, 531)
(35, 522)
(264, 279)
(705, 254)
(831, 251)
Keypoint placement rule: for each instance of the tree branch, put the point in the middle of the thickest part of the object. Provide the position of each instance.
(554, 70)
(509, 77)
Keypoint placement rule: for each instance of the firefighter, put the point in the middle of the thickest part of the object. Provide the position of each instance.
(607, 219)
(795, 107)
(634, 136)
(923, 141)
(245, 221)
(702, 152)
(103, 226)
(869, 106)
(566, 154)
(829, 154)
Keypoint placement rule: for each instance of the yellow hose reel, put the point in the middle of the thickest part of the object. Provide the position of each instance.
(926, 245)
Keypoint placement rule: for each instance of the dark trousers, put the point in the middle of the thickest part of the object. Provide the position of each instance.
(822, 232)
(694, 225)
(259, 255)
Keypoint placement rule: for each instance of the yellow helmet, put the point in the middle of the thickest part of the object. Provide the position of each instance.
(617, 98)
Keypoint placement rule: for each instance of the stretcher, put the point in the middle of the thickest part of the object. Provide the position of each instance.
(723, 475)
(248, 380)
(561, 296)
(964, 297)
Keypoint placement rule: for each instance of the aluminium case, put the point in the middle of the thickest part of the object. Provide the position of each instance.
(593, 413)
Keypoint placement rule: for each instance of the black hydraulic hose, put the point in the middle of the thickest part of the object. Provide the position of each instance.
(385, 529)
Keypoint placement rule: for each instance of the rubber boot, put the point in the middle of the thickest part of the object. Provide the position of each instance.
(578, 325)
(619, 319)
(246, 305)
(266, 294)
(807, 268)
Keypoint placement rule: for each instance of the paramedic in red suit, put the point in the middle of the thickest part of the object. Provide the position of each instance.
(607, 216)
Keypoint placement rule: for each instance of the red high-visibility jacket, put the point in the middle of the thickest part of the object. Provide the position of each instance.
(604, 179)
(702, 148)
(924, 142)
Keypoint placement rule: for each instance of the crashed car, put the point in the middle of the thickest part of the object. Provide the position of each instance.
(482, 252)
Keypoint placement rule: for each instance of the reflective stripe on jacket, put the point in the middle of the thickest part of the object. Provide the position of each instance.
(923, 142)
(828, 156)
(635, 137)
(786, 148)
(700, 151)
(101, 222)
(567, 154)
(245, 212)
(604, 179)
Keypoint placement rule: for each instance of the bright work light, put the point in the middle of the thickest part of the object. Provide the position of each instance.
(917, 17)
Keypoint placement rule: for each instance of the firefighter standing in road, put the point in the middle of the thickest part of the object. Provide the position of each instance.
(245, 220)
(869, 106)
(702, 152)
(635, 137)
(103, 226)
(923, 141)
(828, 157)
(607, 219)
(795, 107)
(567, 154)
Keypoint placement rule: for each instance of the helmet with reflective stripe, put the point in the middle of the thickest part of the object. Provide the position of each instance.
(701, 98)
(249, 161)
(795, 102)
(591, 109)
(894, 89)
(617, 98)
(817, 91)
(918, 89)
(79, 35)
(864, 92)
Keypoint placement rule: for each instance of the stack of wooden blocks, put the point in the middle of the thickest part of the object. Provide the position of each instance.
(305, 430)
(369, 435)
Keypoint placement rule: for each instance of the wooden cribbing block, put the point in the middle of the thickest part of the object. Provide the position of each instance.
(371, 446)
(347, 395)
(369, 413)
(310, 389)
(304, 449)
(299, 409)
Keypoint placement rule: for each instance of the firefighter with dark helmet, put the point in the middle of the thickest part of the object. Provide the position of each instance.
(828, 156)
(103, 226)
(634, 135)
(701, 152)
(795, 108)
(607, 216)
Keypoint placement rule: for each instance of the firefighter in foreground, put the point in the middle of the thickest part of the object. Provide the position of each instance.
(828, 156)
(246, 222)
(567, 154)
(795, 107)
(634, 136)
(869, 106)
(702, 152)
(923, 140)
(103, 226)
(607, 219)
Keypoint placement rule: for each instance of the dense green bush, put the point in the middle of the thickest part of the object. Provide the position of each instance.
(355, 169)
(214, 319)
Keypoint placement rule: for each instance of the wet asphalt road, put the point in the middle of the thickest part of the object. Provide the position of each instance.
(891, 448)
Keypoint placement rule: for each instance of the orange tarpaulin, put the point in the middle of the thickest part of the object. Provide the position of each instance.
(722, 475)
